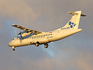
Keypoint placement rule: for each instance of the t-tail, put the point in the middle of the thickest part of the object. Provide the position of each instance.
(73, 23)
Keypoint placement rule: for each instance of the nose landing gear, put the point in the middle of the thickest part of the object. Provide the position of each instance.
(13, 48)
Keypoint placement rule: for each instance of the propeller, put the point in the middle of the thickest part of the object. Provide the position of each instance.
(20, 35)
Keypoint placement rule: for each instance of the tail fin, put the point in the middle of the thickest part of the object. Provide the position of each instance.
(73, 23)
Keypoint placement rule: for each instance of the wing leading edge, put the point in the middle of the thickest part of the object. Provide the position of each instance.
(27, 29)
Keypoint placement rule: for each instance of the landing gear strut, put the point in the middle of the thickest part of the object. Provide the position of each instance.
(46, 45)
(13, 48)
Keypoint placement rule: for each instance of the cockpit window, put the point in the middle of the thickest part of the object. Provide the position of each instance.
(17, 38)
(14, 38)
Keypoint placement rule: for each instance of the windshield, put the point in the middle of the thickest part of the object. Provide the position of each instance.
(17, 37)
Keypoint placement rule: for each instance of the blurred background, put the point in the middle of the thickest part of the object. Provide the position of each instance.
(72, 53)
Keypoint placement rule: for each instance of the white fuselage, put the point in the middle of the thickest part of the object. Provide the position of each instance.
(34, 37)
(43, 38)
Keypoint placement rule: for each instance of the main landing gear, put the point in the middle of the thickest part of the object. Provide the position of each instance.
(37, 44)
(13, 48)
(46, 45)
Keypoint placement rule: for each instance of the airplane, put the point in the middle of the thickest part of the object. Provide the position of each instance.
(34, 37)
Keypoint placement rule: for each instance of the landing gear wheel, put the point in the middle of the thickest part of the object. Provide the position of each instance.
(37, 44)
(13, 49)
(46, 46)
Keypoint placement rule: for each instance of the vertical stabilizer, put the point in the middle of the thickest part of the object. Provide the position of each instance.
(74, 22)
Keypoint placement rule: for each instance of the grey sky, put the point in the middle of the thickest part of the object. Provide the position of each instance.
(72, 53)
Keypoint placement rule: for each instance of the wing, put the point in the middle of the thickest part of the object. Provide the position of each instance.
(26, 29)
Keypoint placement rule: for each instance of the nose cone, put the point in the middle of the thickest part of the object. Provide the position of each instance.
(10, 44)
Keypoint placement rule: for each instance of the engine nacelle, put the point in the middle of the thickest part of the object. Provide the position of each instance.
(25, 33)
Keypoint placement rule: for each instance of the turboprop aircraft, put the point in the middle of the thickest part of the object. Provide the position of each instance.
(34, 37)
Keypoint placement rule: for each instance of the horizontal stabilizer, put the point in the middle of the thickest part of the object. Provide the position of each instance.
(73, 13)
(83, 15)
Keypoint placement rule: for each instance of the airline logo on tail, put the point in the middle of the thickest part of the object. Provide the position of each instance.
(71, 25)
